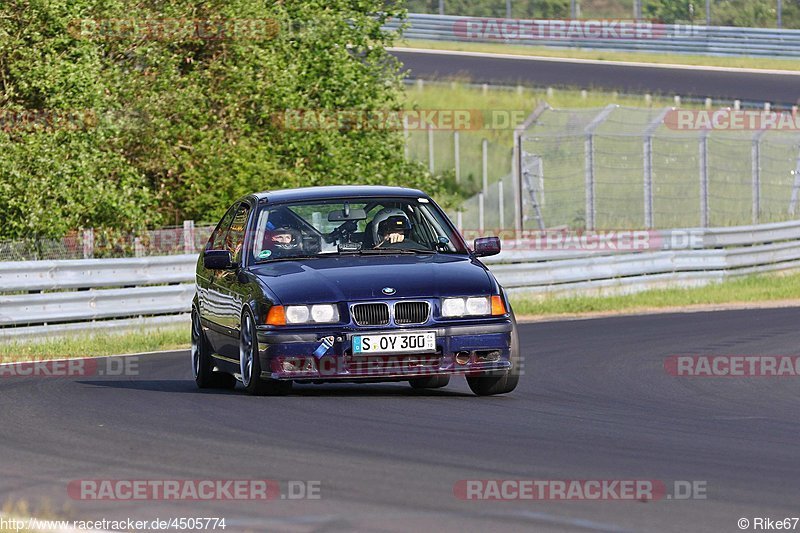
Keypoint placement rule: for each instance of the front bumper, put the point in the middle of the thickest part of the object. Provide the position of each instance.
(460, 349)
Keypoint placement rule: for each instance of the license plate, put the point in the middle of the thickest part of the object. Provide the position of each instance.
(418, 342)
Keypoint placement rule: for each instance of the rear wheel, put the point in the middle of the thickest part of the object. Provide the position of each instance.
(250, 363)
(203, 364)
(430, 382)
(491, 384)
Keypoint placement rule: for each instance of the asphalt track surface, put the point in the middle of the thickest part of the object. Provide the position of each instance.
(594, 403)
(748, 86)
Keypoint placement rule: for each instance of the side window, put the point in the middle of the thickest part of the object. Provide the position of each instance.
(217, 239)
(234, 242)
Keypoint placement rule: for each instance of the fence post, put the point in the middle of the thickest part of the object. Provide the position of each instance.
(588, 147)
(704, 179)
(795, 187)
(648, 166)
(188, 236)
(755, 161)
(406, 136)
(430, 149)
(485, 170)
(518, 170)
(138, 247)
(648, 181)
(88, 243)
(481, 207)
(588, 164)
(516, 177)
(457, 155)
(501, 204)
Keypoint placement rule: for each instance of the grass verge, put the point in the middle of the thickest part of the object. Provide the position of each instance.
(748, 290)
(638, 57)
(100, 344)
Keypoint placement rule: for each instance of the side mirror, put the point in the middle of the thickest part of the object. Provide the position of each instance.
(486, 246)
(218, 260)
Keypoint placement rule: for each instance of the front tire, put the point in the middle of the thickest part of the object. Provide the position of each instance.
(250, 363)
(489, 385)
(202, 363)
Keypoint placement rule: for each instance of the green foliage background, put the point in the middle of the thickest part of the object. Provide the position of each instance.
(180, 128)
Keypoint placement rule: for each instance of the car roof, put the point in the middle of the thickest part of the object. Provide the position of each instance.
(337, 191)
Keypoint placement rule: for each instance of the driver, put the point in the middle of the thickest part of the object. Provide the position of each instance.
(284, 241)
(391, 227)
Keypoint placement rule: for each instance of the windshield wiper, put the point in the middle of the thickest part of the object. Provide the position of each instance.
(380, 251)
(293, 257)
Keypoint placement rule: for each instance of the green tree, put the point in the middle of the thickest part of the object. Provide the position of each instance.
(186, 121)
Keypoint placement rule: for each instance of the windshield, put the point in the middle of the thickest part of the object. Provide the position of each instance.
(373, 226)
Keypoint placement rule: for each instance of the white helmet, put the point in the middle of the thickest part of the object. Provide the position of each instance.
(383, 215)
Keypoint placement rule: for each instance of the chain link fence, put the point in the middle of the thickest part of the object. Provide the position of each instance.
(623, 167)
(90, 243)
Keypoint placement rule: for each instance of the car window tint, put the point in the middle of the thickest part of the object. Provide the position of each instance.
(217, 239)
(235, 237)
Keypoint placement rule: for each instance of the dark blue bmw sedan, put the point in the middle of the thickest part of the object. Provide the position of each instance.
(352, 283)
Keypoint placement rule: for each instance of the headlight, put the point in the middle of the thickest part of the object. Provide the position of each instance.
(479, 306)
(324, 313)
(453, 307)
(304, 314)
(296, 314)
(473, 306)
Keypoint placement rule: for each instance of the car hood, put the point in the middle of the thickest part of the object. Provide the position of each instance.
(352, 278)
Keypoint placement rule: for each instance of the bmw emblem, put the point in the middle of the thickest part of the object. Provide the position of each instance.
(388, 291)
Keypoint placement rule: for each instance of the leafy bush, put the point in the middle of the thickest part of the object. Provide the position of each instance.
(181, 125)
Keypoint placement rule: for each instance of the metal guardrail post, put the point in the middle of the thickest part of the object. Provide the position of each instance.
(704, 179)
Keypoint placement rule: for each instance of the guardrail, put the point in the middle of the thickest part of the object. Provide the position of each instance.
(665, 38)
(54, 297)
